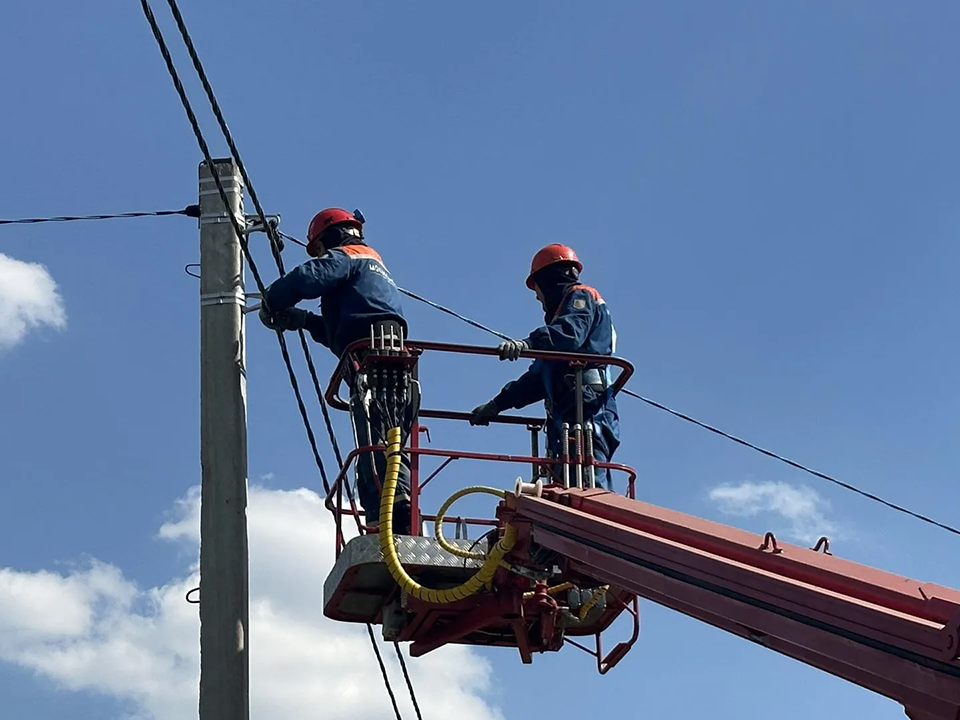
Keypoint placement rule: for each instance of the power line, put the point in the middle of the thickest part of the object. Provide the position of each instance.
(205, 150)
(457, 315)
(275, 247)
(792, 463)
(190, 211)
(406, 676)
(291, 238)
(383, 670)
(705, 426)
(717, 431)
(272, 233)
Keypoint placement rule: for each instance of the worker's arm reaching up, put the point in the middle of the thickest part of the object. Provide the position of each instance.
(308, 281)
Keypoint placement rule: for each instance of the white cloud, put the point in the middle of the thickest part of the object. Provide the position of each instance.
(28, 299)
(803, 509)
(92, 629)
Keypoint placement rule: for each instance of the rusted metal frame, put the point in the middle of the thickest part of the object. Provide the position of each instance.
(414, 479)
(922, 600)
(522, 635)
(592, 550)
(490, 610)
(907, 679)
(336, 505)
(810, 600)
(524, 459)
(465, 455)
(625, 365)
(344, 589)
(416, 348)
(436, 472)
(466, 520)
(846, 668)
(337, 487)
(423, 617)
(534, 450)
(620, 650)
(485, 522)
(465, 417)
(577, 645)
(338, 511)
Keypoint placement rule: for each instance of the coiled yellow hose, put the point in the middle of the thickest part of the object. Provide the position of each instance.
(441, 513)
(388, 545)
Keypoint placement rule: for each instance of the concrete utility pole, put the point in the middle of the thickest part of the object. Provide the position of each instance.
(224, 600)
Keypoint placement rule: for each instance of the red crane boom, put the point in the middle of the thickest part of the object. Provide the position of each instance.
(893, 635)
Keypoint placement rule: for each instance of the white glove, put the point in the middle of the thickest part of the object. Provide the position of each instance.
(511, 349)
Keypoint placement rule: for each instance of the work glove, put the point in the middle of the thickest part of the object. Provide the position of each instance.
(482, 413)
(267, 318)
(290, 319)
(511, 349)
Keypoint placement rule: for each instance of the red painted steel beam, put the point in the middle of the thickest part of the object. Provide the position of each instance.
(892, 635)
(931, 602)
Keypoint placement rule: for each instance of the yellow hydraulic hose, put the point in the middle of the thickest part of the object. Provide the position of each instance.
(441, 513)
(553, 590)
(388, 545)
(598, 593)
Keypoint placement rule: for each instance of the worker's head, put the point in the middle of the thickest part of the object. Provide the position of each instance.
(331, 228)
(553, 269)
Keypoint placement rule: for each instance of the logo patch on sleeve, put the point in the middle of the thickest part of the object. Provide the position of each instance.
(579, 304)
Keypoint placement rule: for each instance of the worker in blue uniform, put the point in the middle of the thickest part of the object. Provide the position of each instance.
(356, 294)
(577, 321)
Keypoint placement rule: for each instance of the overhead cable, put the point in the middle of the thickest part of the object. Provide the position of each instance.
(275, 247)
(189, 211)
(722, 433)
(205, 150)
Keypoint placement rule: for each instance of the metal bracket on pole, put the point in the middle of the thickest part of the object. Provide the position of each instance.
(231, 297)
(252, 223)
(218, 218)
(252, 308)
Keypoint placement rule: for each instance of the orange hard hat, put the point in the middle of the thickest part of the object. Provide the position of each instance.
(328, 218)
(549, 255)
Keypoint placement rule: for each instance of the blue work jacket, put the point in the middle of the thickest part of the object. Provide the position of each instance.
(581, 324)
(355, 291)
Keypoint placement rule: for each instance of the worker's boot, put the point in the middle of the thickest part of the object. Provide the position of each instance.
(401, 518)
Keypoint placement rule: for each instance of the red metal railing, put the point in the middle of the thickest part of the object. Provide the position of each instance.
(335, 498)
(417, 347)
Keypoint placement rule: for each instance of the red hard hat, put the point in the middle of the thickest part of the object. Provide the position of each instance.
(553, 253)
(327, 218)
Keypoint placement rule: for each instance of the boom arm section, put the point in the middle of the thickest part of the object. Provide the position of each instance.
(895, 636)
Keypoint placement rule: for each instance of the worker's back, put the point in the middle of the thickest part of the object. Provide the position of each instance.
(365, 296)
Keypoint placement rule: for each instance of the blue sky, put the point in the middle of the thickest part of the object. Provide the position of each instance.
(763, 192)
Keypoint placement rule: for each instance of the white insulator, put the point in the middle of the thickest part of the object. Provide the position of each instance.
(526, 488)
